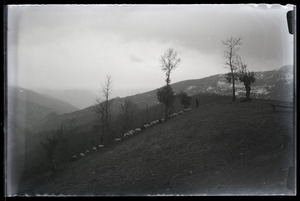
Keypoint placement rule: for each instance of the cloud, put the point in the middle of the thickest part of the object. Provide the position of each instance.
(77, 46)
(135, 59)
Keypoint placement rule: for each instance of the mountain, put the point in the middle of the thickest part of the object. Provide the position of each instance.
(81, 98)
(24, 109)
(28, 107)
(270, 85)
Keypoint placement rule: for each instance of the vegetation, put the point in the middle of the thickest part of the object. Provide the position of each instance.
(232, 57)
(49, 143)
(169, 61)
(127, 110)
(247, 78)
(103, 111)
(166, 96)
(185, 100)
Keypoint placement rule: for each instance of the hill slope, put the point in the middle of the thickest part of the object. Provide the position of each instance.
(80, 98)
(27, 107)
(24, 109)
(219, 148)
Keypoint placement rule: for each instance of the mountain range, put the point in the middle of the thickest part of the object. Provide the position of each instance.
(274, 85)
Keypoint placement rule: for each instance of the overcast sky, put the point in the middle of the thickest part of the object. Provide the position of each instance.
(68, 47)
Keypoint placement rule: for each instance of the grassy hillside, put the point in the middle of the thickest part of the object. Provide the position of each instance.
(219, 148)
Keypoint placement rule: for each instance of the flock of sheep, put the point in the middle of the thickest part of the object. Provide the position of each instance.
(130, 133)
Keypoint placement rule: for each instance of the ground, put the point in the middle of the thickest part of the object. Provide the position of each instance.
(217, 149)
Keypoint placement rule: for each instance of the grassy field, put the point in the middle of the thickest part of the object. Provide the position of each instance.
(219, 148)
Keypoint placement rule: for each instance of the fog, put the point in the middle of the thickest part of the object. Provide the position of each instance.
(76, 47)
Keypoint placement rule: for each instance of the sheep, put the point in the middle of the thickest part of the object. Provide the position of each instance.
(154, 122)
(146, 125)
(100, 145)
(117, 139)
(137, 130)
(74, 158)
(131, 132)
(188, 109)
(126, 134)
(94, 148)
(172, 115)
(161, 120)
(87, 151)
(180, 112)
(82, 155)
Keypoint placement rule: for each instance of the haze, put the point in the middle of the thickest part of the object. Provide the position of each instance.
(76, 47)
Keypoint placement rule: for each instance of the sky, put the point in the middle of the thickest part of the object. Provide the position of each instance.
(77, 47)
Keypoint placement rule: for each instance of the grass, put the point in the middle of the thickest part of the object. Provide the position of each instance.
(219, 148)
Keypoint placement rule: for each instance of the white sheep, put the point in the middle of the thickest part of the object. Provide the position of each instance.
(131, 132)
(180, 112)
(138, 130)
(146, 125)
(126, 134)
(82, 155)
(154, 123)
(100, 145)
(94, 148)
(87, 151)
(188, 109)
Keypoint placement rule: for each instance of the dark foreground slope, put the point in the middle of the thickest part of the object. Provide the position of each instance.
(219, 148)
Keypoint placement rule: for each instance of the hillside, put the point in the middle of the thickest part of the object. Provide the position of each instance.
(270, 85)
(28, 107)
(219, 148)
(80, 98)
(25, 109)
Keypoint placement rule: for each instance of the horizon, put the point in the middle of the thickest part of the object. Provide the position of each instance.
(122, 93)
(76, 47)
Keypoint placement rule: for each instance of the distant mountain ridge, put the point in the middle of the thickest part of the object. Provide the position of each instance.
(273, 85)
(81, 98)
(28, 107)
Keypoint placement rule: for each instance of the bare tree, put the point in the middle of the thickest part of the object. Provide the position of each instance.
(102, 109)
(127, 110)
(169, 62)
(231, 54)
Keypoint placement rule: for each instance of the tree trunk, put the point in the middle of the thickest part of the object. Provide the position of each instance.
(248, 89)
(166, 112)
(233, 87)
